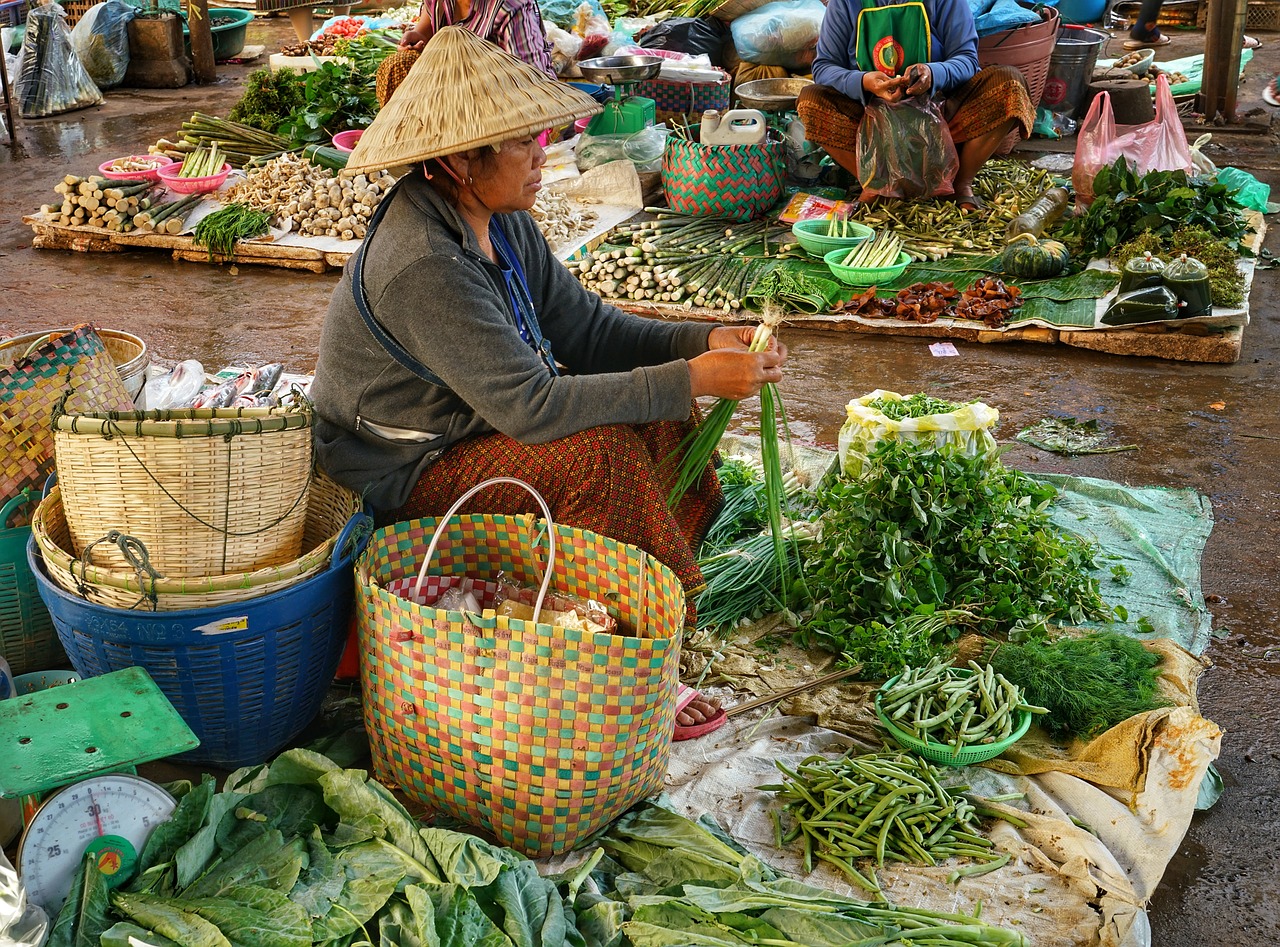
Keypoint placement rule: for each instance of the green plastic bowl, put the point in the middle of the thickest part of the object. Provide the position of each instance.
(857, 276)
(941, 752)
(812, 235)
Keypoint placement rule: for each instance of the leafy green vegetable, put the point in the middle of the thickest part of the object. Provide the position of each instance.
(925, 531)
(1126, 205)
(1089, 684)
(918, 405)
(270, 97)
(125, 934)
(83, 917)
(335, 97)
(270, 860)
(166, 917)
(253, 916)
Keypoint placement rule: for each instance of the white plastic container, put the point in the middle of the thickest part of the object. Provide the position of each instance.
(734, 127)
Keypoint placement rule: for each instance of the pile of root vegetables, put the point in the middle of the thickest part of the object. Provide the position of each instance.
(312, 200)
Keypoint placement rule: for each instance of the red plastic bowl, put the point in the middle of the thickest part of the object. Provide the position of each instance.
(181, 185)
(346, 141)
(153, 175)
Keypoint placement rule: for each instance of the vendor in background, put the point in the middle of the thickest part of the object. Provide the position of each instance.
(458, 348)
(889, 50)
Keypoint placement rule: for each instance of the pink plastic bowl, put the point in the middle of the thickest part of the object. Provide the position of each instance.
(346, 141)
(580, 125)
(180, 185)
(153, 175)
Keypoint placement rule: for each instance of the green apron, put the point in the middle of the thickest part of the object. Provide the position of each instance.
(893, 37)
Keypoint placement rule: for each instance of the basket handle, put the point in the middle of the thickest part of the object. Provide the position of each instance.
(15, 503)
(444, 521)
(50, 482)
(357, 532)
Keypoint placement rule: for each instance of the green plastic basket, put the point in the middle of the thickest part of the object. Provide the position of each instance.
(859, 276)
(28, 640)
(941, 752)
(812, 235)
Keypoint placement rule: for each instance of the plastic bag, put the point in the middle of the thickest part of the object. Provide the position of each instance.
(565, 47)
(643, 149)
(695, 35)
(593, 27)
(22, 923)
(101, 40)
(563, 12)
(1158, 145)
(52, 79)
(783, 33)
(905, 150)
(1250, 192)
(968, 428)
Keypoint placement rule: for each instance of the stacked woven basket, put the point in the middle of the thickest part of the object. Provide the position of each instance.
(201, 546)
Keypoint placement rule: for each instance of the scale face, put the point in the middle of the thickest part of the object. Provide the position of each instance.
(111, 814)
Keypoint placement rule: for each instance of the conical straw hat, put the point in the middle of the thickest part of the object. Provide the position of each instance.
(463, 93)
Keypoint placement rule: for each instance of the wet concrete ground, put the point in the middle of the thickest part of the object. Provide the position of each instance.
(1222, 887)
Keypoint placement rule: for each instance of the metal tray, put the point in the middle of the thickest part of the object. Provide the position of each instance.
(615, 69)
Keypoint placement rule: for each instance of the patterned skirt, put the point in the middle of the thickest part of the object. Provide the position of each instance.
(392, 71)
(983, 104)
(611, 480)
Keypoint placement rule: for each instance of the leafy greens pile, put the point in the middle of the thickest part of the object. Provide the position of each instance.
(270, 97)
(304, 852)
(928, 540)
(1126, 204)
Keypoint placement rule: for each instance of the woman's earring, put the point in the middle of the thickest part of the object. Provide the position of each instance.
(470, 180)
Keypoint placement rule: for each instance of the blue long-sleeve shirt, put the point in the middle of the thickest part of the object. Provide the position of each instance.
(953, 56)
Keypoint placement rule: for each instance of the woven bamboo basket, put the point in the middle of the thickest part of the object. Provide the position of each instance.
(206, 492)
(330, 507)
(127, 351)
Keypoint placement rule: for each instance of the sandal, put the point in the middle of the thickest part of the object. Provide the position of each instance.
(1250, 43)
(685, 697)
(1271, 94)
(1159, 40)
(971, 202)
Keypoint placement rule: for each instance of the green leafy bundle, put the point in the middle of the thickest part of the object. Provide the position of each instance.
(1126, 205)
(336, 97)
(1088, 684)
(918, 405)
(367, 51)
(270, 97)
(925, 532)
(304, 852)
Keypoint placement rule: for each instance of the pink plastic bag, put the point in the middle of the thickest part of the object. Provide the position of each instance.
(1159, 145)
(905, 150)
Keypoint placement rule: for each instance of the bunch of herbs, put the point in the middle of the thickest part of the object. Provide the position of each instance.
(1127, 204)
(924, 531)
(270, 98)
(335, 97)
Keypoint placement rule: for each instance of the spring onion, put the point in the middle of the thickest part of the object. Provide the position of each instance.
(221, 229)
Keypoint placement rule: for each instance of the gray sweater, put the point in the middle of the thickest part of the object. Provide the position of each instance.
(378, 425)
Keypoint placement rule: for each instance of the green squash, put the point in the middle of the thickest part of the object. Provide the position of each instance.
(1027, 257)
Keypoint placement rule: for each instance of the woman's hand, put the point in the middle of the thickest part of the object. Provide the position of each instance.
(734, 372)
(888, 88)
(919, 79)
(414, 39)
(739, 338)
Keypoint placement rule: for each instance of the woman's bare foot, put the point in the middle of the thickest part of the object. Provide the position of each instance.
(699, 710)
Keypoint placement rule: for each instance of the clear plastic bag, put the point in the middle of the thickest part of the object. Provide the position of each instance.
(1158, 145)
(101, 40)
(643, 149)
(783, 33)
(52, 79)
(22, 923)
(905, 150)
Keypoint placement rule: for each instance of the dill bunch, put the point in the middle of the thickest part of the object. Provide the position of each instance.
(1089, 684)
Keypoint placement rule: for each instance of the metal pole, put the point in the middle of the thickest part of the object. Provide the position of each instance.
(1224, 35)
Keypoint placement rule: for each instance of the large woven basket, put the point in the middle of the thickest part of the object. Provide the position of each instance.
(330, 509)
(1028, 49)
(127, 351)
(207, 492)
(739, 182)
(27, 639)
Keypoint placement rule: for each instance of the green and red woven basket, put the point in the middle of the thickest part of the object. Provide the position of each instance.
(740, 182)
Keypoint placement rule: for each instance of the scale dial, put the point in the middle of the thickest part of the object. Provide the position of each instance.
(114, 814)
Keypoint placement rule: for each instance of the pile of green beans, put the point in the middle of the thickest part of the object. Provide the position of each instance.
(942, 704)
(698, 261)
(885, 806)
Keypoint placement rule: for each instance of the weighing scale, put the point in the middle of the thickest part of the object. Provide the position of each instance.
(624, 114)
(90, 734)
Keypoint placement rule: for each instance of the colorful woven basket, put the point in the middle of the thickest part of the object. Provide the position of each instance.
(74, 366)
(330, 507)
(739, 182)
(539, 734)
(686, 101)
(207, 492)
(27, 638)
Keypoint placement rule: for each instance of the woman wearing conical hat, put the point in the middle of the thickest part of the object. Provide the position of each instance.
(457, 347)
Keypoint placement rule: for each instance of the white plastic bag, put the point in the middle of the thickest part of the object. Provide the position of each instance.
(52, 79)
(101, 40)
(783, 33)
(22, 923)
(968, 428)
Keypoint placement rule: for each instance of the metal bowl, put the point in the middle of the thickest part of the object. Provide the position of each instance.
(615, 69)
(771, 95)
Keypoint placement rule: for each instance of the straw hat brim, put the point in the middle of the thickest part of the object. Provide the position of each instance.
(463, 93)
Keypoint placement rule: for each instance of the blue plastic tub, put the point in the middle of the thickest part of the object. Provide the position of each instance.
(601, 93)
(248, 677)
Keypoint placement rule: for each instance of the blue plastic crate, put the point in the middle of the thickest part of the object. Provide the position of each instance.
(248, 677)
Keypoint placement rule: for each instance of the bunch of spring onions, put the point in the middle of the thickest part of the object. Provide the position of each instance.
(202, 163)
(874, 254)
(747, 580)
(220, 230)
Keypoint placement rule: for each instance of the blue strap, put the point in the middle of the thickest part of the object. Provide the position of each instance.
(376, 329)
(521, 299)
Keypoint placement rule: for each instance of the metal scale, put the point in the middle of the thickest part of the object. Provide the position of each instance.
(84, 739)
(624, 114)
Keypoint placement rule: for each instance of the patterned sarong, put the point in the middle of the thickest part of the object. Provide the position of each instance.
(983, 104)
(609, 479)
